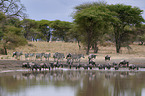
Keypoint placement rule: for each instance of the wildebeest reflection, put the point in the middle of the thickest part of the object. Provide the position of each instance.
(60, 75)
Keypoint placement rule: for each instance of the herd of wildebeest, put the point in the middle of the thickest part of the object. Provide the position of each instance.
(72, 61)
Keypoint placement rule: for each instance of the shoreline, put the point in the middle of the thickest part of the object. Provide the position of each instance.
(17, 64)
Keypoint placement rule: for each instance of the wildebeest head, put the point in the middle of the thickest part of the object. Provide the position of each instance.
(107, 57)
(68, 55)
(92, 56)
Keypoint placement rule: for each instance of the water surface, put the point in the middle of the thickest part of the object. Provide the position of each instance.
(73, 83)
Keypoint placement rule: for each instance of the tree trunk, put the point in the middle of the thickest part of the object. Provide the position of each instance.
(48, 38)
(88, 42)
(26, 35)
(95, 48)
(118, 46)
(117, 40)
(5, 51)
(88, 45)
(88, 49)
(79, 44)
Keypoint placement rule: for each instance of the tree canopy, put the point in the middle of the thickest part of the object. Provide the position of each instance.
(45, 30)
(95, 19)
(127, 16)
(60, 29)
(10, 26)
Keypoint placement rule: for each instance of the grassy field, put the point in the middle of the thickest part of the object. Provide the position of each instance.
(137, 51)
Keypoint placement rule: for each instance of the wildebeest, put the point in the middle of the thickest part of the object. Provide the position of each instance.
(35, 66)
(108, 66)
(85, 66)
(124, 63)
(101, 66)
(107, 57)
(47, 56)
(132, 66)
(39, 55)
(44, 65)
(69, 59)
(26, 65)
(17, 54)
(91, 56)
(78, 66)
(115, 65)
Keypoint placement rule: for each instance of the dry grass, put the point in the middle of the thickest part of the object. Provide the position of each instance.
(137, 51)
(51, 47)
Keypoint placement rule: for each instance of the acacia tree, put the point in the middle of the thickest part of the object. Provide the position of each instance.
(12, 8)
(30, 29)
(74, 34)
(13, 38)
(10, 27)
(140, 33)
(2, 18)
(92, 21)
(127, 16)
(60, 29)
(45, 30)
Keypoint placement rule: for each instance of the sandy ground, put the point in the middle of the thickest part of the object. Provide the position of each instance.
(17, 64)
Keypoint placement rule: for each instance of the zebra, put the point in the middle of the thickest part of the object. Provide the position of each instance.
(17, 54)
(76, 57)
(46, 56)
(58, 56)
(31, 55)
(39, 55)
(27, 55)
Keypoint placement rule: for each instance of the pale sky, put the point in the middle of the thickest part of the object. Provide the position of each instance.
(62, 9)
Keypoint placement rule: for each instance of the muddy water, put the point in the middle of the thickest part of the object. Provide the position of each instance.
(73, 83)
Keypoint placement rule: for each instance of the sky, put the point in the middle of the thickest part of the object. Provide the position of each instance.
(63, 9)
